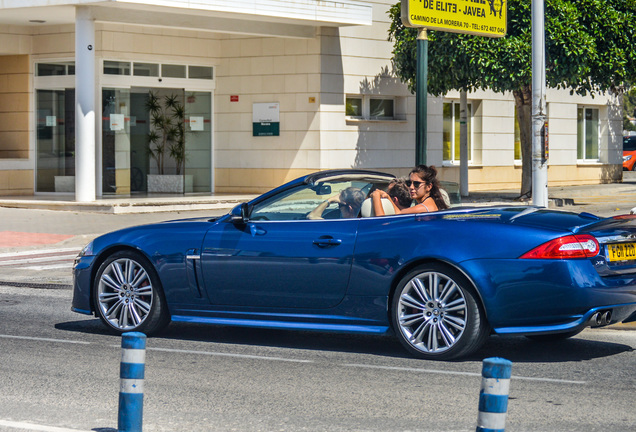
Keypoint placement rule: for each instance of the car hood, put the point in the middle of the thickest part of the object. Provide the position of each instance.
(142, 236)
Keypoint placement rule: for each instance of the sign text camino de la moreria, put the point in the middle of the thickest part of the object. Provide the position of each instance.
(478, 17)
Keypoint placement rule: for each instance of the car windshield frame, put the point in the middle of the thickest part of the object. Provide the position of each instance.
(310, 194)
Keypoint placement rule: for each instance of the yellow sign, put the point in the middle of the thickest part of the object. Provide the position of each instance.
(477, 17)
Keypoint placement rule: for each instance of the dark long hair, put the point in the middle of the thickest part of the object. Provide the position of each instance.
(429, 175)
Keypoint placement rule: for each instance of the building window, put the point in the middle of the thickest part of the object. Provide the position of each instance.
(173, 71)
(55, 69)
(146, 69)
(587, 133)
(517, 137)
(112, 67)
(200, 72)
(381, 109)
(353, 107)
(365, 108)
(451, 130)
(116, 68)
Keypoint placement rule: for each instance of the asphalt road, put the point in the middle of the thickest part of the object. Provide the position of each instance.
(59, 369)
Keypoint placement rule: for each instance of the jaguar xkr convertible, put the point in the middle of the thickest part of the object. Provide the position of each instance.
(441, 282)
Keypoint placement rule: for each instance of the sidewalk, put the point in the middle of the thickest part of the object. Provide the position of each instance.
(146, 204)
(601, 199)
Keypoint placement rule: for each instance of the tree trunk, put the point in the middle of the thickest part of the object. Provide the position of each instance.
(523, 101)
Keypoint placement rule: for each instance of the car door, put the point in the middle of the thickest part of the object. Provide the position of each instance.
(290, 249)
(281, 264)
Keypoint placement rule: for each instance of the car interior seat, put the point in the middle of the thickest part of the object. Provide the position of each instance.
(367, 208)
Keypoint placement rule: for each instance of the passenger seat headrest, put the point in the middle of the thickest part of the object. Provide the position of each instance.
(367, 207)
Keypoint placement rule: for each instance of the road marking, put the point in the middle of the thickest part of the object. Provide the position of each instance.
(283, 359)
(35, 427)
(67, 265)
(475, 374)
(39, 339)
(48, 259)
(243, 356)
(36, 259)
(39, 252)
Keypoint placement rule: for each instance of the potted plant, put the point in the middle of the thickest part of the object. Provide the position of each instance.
(167, 138)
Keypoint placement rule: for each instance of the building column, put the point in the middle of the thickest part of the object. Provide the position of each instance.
(85, 167)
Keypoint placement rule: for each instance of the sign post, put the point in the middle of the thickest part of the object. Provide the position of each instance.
(539, 114)
(421, 97)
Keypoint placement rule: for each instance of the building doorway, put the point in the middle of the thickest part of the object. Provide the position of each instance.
(156, 140)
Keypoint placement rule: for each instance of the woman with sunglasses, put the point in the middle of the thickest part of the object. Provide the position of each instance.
(425, 191)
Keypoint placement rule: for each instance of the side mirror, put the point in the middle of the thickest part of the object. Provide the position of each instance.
(240, 214)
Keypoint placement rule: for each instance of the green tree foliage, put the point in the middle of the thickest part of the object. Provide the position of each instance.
(589, 49)
(167, 117)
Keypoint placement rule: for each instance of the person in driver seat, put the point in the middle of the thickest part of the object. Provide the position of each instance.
(349, 202)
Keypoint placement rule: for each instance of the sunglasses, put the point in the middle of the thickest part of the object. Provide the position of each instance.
(416, 184)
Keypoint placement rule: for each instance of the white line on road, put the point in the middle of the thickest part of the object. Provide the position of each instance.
(433, 371)
(40, 252)
(35, 427)
(39, 339)
(245, 356)
(54, 258)
(283, 359)
(68, 265)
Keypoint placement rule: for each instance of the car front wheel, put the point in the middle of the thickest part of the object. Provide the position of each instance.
(128, 294)
(435, 314)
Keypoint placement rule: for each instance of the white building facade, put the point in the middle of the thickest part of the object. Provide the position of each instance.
(267, 90)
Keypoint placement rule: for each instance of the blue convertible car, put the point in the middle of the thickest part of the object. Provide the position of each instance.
(441, 282)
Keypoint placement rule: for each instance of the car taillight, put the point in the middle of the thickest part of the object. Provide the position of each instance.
(571, 246)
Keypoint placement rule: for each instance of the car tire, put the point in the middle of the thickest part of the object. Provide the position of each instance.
(128, 296)
(436, 315)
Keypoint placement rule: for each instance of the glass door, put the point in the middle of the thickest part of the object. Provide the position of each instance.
(198, 149)
(156, 140)
(116, 141)
(55, 159)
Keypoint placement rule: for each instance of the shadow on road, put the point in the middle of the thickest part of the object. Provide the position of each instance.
(515, 348)
(519, 349)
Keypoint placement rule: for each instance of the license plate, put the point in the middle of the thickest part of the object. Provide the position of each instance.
(622, 251)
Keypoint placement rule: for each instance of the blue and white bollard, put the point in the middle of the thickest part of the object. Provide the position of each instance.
(131, 389)
(493, 397)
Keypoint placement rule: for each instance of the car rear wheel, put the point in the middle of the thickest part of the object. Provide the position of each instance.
(436, 315)
(128, 294)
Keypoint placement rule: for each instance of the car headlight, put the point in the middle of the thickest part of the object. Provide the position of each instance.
(87, 251)
(626, 158)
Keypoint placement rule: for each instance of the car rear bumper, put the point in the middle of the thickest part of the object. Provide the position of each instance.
(528, 296)
(619, 313)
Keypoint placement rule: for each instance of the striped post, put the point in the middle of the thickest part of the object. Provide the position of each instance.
(493, 397)
(131, 389)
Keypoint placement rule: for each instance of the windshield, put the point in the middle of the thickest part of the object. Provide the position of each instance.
(299, 202)
(629, 143)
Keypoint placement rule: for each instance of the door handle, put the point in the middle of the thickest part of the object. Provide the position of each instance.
(327, 241)
(257, 231)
